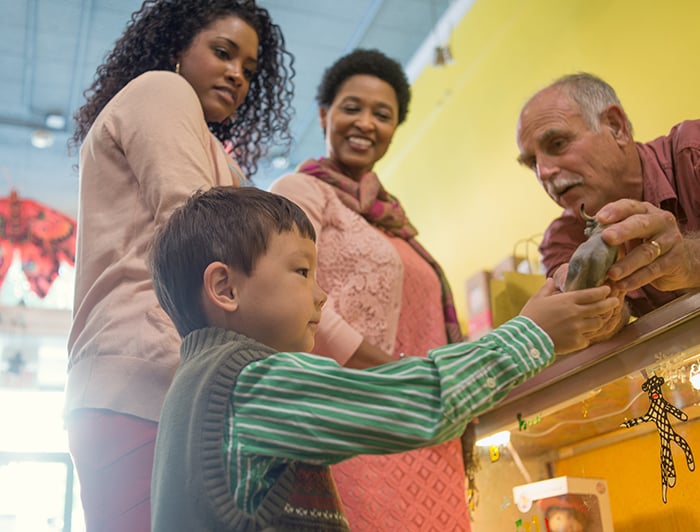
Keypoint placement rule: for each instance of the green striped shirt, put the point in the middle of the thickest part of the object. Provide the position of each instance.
(297, 406)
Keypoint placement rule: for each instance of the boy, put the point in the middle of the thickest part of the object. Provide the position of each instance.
(251, 423)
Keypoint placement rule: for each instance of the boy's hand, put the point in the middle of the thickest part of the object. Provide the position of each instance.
(572, 319)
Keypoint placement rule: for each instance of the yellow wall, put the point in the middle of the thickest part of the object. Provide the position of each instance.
(631, 468)
(452, 163)
(632, 471)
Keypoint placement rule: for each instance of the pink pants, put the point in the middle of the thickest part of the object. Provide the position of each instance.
(113, 455)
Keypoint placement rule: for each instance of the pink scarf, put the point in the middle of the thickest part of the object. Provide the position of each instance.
(368, 198)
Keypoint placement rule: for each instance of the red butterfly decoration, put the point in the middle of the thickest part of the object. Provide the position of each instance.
(43, 236)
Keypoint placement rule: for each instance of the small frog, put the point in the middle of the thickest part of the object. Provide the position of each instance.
(589, 265)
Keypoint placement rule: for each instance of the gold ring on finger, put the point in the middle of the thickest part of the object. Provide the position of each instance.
(657, 247)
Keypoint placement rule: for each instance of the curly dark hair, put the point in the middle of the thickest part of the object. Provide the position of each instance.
(161, 29)
(360, 61)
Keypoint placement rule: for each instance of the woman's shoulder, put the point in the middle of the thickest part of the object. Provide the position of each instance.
(315, 197)
(156, 98)
(293, 177)
(157, 108)
(296, 184)
(161, 86)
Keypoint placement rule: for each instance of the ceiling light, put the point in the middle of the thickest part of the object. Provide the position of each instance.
(280, 163)
(694, 376)
(443, 56)
(499, 438)
(42, 138)
(55, 121)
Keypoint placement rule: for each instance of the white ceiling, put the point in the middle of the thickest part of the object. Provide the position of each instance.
(49, 50)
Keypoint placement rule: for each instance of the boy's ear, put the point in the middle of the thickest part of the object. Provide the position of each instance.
(219, 286)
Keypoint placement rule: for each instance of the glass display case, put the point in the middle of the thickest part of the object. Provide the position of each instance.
(570, 420)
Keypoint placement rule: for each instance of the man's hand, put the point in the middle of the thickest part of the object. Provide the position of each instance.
(654, 250)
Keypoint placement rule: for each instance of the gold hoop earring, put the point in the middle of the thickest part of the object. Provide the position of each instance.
(177, 67)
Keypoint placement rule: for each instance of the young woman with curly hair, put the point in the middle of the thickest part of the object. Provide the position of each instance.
(189, 98)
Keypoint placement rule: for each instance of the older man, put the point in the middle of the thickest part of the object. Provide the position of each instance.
(576, 137)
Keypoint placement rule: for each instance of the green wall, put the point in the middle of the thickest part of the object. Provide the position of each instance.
(452, 163)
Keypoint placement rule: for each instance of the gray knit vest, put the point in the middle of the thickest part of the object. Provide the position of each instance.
(190, 489)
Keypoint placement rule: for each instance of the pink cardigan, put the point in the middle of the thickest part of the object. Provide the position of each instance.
(148, 150)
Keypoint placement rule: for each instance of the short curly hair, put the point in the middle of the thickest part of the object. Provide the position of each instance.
(360, 61)
(161, 29)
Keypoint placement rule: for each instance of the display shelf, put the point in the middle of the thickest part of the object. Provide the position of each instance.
(567, 422)
(665, 341)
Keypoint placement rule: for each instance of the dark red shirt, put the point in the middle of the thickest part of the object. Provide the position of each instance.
(671, 181)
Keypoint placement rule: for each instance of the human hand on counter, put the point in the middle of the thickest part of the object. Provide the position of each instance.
(614, 320)
(571, 319)
(653, 249)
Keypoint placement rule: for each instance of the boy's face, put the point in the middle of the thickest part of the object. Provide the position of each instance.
(280, 303)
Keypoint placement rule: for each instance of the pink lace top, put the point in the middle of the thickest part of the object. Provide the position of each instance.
(357, 266)
(380, 289)
(421, 322)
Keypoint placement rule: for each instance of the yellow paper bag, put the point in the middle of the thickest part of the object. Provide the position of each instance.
(510, 292)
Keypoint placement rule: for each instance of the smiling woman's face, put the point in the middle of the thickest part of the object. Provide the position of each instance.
(219, 65)
(360, 123)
